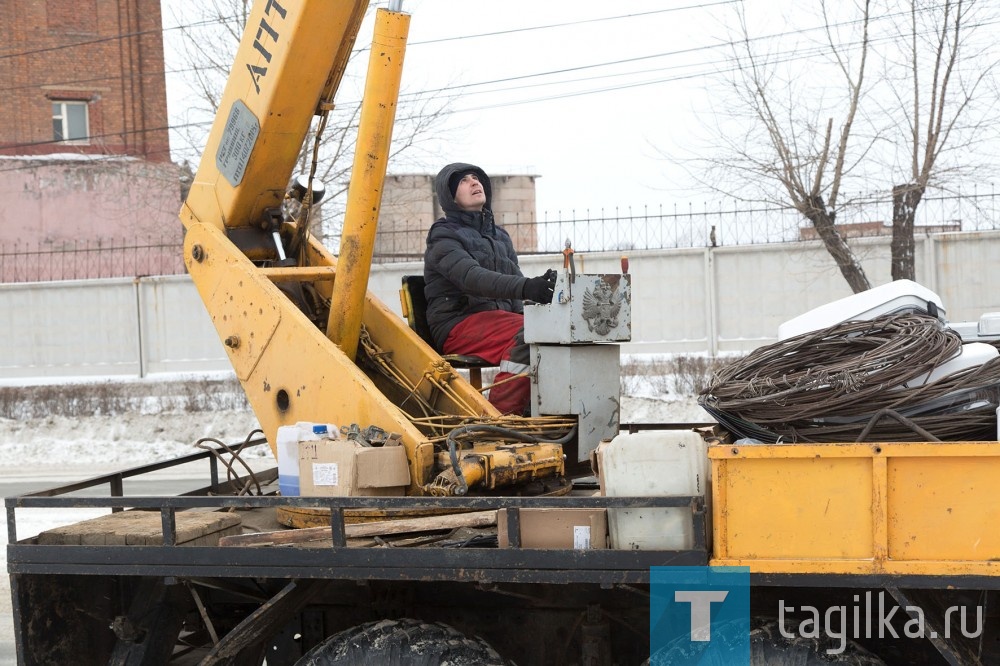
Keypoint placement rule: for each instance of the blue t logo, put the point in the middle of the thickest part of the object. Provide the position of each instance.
(699, 615)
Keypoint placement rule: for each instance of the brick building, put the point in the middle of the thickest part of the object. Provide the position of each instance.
(83, 76)
(410, 206)
(84, 140)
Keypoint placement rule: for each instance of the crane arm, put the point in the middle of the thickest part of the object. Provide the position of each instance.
(271, 96)
(292, 325)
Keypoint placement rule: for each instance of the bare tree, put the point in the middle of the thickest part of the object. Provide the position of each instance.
(933, 101)
(799, 146)
(810, 134)
(211, 32)
(210, 35)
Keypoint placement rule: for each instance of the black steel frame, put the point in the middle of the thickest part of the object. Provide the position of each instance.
(334, 560)
(514, 564)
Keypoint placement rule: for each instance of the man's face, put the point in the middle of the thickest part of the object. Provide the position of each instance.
(470, 194)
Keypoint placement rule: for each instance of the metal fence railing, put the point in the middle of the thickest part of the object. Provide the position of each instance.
(694, 225)
(90, 259)
(720, 223)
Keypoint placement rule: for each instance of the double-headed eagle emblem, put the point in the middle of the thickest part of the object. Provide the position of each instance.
(601, 307)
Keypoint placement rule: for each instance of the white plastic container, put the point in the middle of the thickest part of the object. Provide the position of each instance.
(895, 297)
(288, 451)
(654, 463)
(972, 354)
(986, 329)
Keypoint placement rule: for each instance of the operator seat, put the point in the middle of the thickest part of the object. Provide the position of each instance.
(414, 305)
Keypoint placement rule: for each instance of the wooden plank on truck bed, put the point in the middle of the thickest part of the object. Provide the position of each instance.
(358, 530)
(144, 528)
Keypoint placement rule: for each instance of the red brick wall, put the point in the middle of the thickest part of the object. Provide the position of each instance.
(108, 52)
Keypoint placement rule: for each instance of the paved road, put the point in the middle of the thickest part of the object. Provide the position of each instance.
(171, 481)
(154, 485)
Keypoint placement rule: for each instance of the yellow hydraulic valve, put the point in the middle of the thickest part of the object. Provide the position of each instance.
(487, 466)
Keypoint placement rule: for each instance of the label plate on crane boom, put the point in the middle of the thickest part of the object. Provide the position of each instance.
(238, 139)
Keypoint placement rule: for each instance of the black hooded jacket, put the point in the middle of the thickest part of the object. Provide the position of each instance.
(470, 264)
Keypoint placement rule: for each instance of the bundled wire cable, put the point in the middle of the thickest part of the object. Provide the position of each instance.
(830, 385)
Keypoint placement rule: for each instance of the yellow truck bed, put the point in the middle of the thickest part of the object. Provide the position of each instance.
(879, 508)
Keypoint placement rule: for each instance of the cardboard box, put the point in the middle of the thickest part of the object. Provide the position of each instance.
(578, 529)
(343, 468)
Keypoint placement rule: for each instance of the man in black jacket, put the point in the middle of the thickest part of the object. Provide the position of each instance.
(474, 286)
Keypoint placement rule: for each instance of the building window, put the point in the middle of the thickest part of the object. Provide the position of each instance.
(70, 121)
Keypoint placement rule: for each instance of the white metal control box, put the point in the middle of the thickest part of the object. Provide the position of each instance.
(595, 307)
(581, 380)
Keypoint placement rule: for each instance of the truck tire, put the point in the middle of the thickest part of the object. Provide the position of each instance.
(404, 642)
(769, 648)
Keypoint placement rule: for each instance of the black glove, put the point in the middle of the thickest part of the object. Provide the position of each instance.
(539, 289)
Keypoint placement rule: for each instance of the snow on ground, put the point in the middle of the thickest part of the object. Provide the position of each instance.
(639, 409)
(125, 439)
(133, 439)
(65, 449)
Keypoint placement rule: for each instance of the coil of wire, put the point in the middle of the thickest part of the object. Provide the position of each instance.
(830, 385)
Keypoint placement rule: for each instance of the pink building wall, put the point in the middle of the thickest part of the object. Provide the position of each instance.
(86, 217)
(50, 201)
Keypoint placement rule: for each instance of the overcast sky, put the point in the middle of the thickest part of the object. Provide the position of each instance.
(604, 101)
(585, 104)
(581, 93)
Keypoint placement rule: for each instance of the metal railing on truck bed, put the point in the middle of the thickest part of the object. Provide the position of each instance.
(289, 598)
(333, 558)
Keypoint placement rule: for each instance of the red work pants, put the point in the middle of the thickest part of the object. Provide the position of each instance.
(498, 338)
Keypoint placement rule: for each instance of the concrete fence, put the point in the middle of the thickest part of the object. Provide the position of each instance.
(695, 300)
